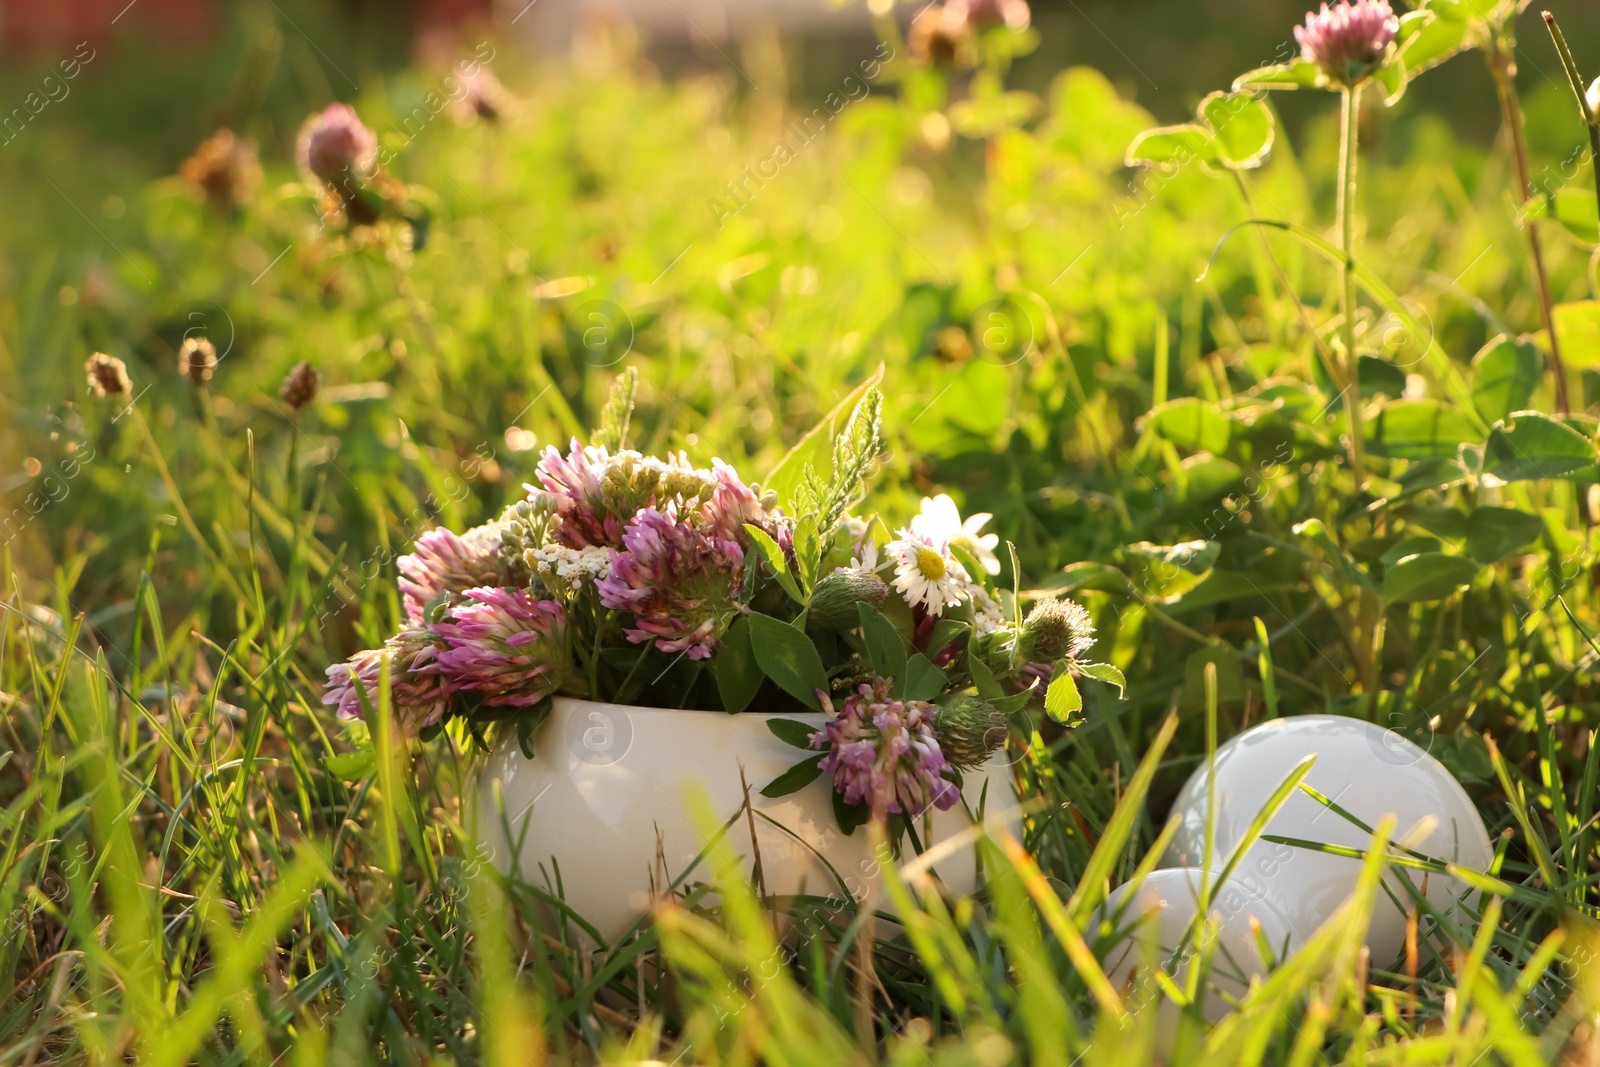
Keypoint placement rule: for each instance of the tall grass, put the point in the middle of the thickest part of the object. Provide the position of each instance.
(200, 865)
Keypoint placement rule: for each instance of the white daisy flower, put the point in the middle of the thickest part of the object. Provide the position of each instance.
(927, 575)
(940, 524)
(865, 558)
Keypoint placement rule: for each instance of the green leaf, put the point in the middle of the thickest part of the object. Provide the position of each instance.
(1381, 376)
(1432, 41)
(1391, 77)
(791, 732)
(1532, 446)
(1493, 532)
(1575, 210)
(816, 447)
(1062, 700)
(1195, 557)
(1419, 429)
(788, 657)
(886, 649)
(1106, 673)
(775, 560)
(1578, 330)
(352, 765)
(848, 816)
(1300, 74)
(807, 550)
(795, 778)
(1242, 127)
(983, 679)
(1427, 576)
(923, 681)
(944, 631)
(1504, 375)
(1190, 423)
(1172, 145)
(734, 667)
(1409, 546)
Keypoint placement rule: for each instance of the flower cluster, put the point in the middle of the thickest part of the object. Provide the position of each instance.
(680, 582)
(1349, 39)
(883, 753)
(627, 578)
(644, 551)
(443, 563)
(504, 646)
(417, 692)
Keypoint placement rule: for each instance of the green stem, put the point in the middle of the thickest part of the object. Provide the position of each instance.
(1350, 98)
(1503, 69)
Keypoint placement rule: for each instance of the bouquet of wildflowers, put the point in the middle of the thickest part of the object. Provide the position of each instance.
(634, 579)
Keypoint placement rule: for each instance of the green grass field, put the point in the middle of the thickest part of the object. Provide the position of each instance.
(1151, 397)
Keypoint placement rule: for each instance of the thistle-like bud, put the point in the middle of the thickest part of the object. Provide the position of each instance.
(1348, 41)
(969, 728)
(834, 600)
(300, 386)
(108, 375)
(197, 358)
(1055, 630)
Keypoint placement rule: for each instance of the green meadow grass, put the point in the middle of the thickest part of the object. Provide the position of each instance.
(200, 867)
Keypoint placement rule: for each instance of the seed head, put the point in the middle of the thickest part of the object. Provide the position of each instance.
(197, 358)
(1348, 41)
(108, 375)
(300, 386)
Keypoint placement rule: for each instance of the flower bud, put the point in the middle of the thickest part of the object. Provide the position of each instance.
(1055, 630)
(969, 728)
(300, 387)
(982, 14)
(940, 36)
(834, 600)
(225, 170)
(1592, 98)
(337, 147)
(197, 358)
(108, 375)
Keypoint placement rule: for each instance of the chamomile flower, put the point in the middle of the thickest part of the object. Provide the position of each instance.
(926, 574)
(941, 524)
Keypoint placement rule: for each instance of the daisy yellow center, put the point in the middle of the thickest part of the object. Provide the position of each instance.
(930, 563)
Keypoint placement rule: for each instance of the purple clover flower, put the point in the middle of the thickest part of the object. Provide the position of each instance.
(884, 754)
(336, 144)
(731, 505)
(505, 645)
(572, 483)
(680, 582)
(443, 561)
(1348, 39)
(416, 692)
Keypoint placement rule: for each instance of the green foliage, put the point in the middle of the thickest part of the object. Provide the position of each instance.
(200, 865)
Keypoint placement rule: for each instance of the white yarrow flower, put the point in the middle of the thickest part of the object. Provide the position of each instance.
(927, 574)
(940, 523)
